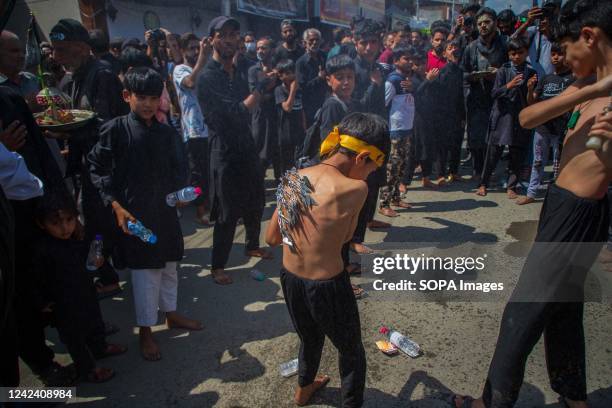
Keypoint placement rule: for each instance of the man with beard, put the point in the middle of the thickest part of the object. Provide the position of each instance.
(311, 74)
(195, 133)
(93, 87)
(236, 178)
(290, 48)
(435, 56)
(264, 118)
(480, 62)
(370, 94)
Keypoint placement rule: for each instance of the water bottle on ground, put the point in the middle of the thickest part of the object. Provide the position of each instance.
(400, 341)
(289, 368)
(257, 275)
(95, 258)
(142, 232)
(184, 195)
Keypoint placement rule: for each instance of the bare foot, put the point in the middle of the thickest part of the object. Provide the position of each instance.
(428, 184)
(148, 348)
(482, 191)
(511, 194)
(177, 321)
(441, 182)
(388, 212)
(403, 188)
(375, 224)
(361, 249)
(525, 200)
(466, 401)
(220, 277)
(260, 253)
(303, 394)
(100, 375)
(401, 204)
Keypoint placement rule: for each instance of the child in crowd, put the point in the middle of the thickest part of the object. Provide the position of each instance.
(69, 296)
(134, 166)
(421, 151)
(291, 116)
(510, 90)
(550, 134)
(399, 99)
(452, 110)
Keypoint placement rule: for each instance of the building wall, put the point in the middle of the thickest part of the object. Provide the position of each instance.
(47, 13)
(178, 19)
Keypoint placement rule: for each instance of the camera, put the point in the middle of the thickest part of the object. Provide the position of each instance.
(157, 35)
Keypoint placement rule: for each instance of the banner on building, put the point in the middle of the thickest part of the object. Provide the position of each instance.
(341, 12)
(293, 9)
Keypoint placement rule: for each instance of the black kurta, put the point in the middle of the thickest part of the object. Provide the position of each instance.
(137, 166)
(235, 178)
(314, 88)
(370, 95)
(264, 119)
(504, 126)
(479, 102)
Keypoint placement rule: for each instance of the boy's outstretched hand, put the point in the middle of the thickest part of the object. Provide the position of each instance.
(123, 216)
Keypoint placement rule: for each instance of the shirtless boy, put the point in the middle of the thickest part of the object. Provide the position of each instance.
(575, 211)
(319, 207)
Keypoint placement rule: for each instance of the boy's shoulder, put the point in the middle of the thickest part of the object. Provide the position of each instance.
(114, 123)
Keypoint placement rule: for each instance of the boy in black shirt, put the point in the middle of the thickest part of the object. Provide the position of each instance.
(134, 167)
(551, 133)
(67, 290)
(291, 117)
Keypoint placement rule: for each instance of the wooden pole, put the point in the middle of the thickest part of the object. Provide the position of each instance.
(93, 14)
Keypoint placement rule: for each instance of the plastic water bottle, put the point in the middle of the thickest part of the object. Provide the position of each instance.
(289, 368)
(184, 195)
(401, 342)
(95, 258)
(142, 232)
(257, 275)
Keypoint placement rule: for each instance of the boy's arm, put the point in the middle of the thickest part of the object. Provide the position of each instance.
(101, 169)
(189, 80)
(503, 89)
(577, 93)
(287, 105)
(389, 92)
(273, 234)
(534, 92)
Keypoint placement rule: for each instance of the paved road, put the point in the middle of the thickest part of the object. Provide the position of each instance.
(234, 361)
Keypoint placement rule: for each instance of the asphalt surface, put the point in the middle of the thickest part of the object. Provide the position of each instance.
(234, 361)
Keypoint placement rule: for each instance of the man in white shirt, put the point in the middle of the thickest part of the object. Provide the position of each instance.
(194, 129)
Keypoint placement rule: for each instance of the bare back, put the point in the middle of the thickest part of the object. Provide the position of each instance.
(326, 226)
(583, 171)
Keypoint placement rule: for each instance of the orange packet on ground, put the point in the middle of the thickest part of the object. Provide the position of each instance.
(386, 347)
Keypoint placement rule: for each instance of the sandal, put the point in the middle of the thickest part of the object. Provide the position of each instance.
(357, 291)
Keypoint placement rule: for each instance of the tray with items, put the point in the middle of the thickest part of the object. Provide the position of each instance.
(63, 120)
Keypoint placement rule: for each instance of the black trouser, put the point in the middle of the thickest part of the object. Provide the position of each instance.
(550, 269)
(478, 160)
(223, 237)
(454, 158)
(83, 345)
(320, 308)
(493, 156)
(440, 155)
(197, 152)
(368, 210)
(412, 161)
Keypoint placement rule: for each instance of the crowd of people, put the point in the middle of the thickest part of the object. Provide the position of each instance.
(370, 104)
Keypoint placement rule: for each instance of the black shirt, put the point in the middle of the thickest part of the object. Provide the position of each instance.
(282, 53)
(113, 62)
(313, 87)
(291, 124)
(368, 94)
(549, 87)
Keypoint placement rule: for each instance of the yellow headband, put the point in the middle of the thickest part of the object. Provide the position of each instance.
(351, 143)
